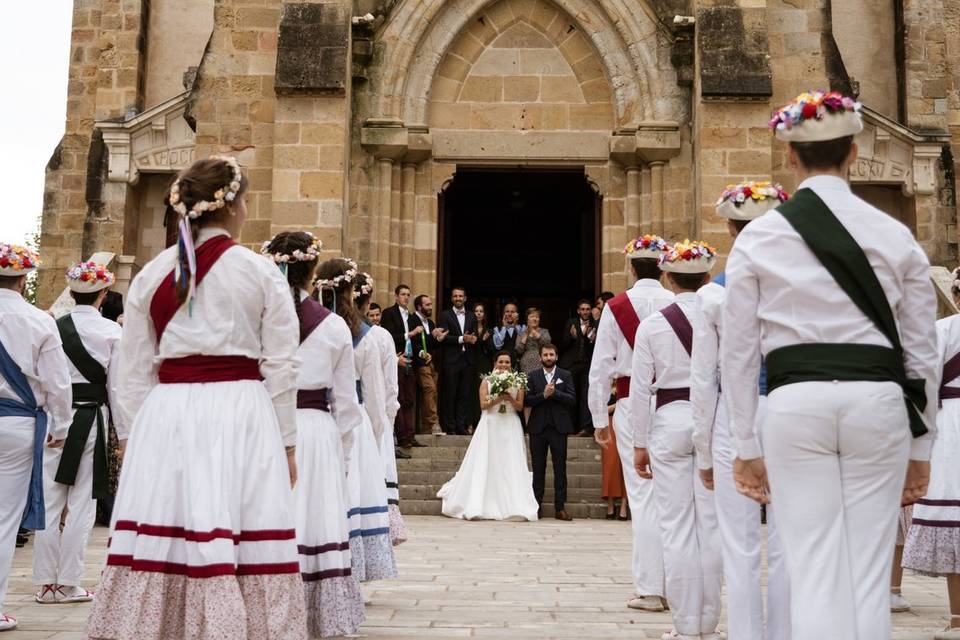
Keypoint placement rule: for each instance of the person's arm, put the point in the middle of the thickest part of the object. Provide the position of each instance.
(390, 380)
(519, 400)
(916, 316)
(279, 340)
(486, 400)
(450, 324)
(113, 386)
(345, 405)
(499, 333)
(53, 373)
(136, 372)
(371, 377)
(704, 362)
(602, 369)
(570, 335)
(740, 350)
(641, 377)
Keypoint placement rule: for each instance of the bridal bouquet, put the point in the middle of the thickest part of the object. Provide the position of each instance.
(504, 382)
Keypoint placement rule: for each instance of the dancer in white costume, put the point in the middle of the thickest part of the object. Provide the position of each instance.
(203, 539)
(933, 540)
(612, 357)
(737, 515)
(76, 475)
(362, 289)
(664, 451)
(493, 482)
(35, 405)
(328, 415)
(836, 295)
(370, 547)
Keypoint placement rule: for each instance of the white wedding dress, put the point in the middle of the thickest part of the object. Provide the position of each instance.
(493, 482)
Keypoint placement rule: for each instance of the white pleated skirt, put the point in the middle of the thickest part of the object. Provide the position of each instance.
(203, 541)
(334, 601)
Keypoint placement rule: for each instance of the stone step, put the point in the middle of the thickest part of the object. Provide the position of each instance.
(464, 441)
(413, 478)
(574, 468)
(457, 453)
(595, 511)
(429, 491)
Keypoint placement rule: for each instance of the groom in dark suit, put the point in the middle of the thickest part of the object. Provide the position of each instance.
(551, 396)
(459, 357)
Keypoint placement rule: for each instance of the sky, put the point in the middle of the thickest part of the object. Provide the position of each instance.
(34, 60)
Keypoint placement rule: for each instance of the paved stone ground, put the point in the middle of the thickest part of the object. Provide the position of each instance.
(485, 580)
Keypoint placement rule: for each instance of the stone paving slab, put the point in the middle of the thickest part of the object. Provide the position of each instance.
(502, 580)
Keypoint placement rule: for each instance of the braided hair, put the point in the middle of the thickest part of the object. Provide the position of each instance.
(340, 296)
(299, 273)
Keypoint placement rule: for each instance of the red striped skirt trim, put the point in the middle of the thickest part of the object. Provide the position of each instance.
(949, 524)
(326, 575)
(934, 502)
(203, 571)
(323, 548)
(162, 531)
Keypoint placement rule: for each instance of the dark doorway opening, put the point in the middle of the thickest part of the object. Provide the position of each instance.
(526, 236)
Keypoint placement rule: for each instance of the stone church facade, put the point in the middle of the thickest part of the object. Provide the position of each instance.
(361, 119)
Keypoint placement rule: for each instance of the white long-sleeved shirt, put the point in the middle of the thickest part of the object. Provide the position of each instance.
(612, 354)
(779, 294)
(243, 307)
(101, 339)
(370, 372)
(948, 343)
(657, 353)
(705, 368)
(388, 361)
(31, 338)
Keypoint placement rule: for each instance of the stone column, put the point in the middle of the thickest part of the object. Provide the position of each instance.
(380, 245)
(656, 197)
(646, 200)
(633, 202)
(408, 207)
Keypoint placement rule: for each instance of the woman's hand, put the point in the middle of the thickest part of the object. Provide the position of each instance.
(535, 334)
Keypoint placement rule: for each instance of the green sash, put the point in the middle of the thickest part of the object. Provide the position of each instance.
(88, 398)
(843, 258)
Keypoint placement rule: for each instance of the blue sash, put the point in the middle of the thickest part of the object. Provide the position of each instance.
(721, 280)
(364, 330)
(34, 515)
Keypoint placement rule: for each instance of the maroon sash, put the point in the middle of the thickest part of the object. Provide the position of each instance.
(623, 388)
(626, 316)
(666, 396)
(164, 304)
(312, 313)
(680, 325)
(313, 399)
(200, 368)
(951, 371)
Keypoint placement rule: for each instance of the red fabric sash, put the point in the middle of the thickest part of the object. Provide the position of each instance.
(626, 316)
(192, 369)
(312, 314)
(623, 388)
(666, 396)
(313, 399)
(164, 304)
(680, 325)
(951, 371)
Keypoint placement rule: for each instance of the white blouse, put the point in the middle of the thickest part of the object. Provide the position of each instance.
(388, 361)
(369, 368)
(243, 307)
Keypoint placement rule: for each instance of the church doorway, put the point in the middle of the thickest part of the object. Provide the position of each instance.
(529, 236)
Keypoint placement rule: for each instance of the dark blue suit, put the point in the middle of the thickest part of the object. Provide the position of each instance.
(549, 425)
(457, 374)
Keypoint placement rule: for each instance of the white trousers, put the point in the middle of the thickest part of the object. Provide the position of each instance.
(836, 455)
(740, 533)
(647, 553)
(688, 524)
(16, 461)
(58, 556)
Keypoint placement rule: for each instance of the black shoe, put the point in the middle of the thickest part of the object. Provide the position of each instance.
(402, 455)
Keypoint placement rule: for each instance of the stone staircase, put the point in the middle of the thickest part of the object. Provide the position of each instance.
(431, 466)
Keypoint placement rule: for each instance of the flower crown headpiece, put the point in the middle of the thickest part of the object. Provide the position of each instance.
(688, 256)
(346, 276)
(16, 259)
(812, 106)
(646, 243)
(310, 254)
(223, 195)
(366, 288)
(91, 273)
(740, 193)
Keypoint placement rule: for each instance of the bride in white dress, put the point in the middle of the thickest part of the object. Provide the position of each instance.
(493, 482)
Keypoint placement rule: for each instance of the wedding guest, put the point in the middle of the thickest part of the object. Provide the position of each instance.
(550, 398)
(483, 362)
(77, 475)
(111, 309)
(612, 485)
(398, 321)
(579, 335)
(505, 336)
(374, 313)
(612, 358)
(529, 342)
(600, 303)
(426, 350)
(933, 539)
(328, 416)
(35, 406)
(208, 380)
(844, 464)
(459, 359)
(664, 451)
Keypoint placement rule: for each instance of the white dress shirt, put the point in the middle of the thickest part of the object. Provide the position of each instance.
(705, 368)
(657, 353)
(462, 320)
(101, 339)
(549, 374)
(612, 355)
(242, 308)
(326, 362)
(389, 362)
(31, 338)
(779, 294)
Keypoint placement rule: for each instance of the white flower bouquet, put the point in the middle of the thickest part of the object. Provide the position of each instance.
(504, 382)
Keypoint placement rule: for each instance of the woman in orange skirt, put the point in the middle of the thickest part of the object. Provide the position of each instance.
(612, 483)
